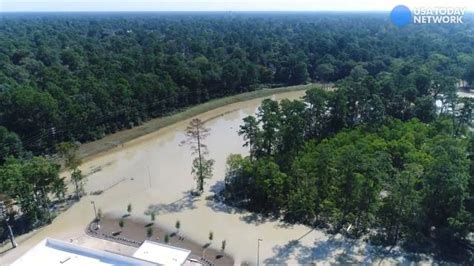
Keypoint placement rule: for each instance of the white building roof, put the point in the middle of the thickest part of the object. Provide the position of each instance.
(162, 254)
(53, 252)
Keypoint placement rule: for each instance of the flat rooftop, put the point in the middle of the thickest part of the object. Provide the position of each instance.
(161, 253)
(53, 252)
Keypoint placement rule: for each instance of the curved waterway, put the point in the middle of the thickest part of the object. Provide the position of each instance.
(154, 171)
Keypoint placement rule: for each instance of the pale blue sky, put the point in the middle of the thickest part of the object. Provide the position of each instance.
(222, 5)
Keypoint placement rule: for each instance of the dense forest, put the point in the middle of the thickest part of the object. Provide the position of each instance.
(376, 154)
(330, 162)
(79, 77)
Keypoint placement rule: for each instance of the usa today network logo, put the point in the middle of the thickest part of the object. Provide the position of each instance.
(402, 15)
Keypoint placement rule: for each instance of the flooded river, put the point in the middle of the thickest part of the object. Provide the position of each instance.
(154, 172)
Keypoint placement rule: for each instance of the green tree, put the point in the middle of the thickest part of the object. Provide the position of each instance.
(149, 232)
(68, 151)
(30, 182)
(177, 225)
(77, 179)
(469, 72)
(26, 110)
(270, 182)
(464, 117)
(292, 130)
(299, 73)
(223, 245)
(269, 117)
(316, 116)
(358, 72)
(425, 109)
(202, 170)
(211, 236)
(202, 167)
(445, 190)
(325, 72)
(401, 207)
(10, 145)
(252, 136)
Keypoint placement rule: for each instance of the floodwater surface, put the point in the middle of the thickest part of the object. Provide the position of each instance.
(154, 173)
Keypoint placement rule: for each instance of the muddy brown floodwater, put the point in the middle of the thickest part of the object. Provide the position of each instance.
(153, 172)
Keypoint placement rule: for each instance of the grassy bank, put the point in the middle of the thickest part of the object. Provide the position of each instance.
(113, 140)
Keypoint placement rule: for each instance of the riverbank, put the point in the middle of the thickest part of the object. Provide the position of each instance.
(88, 150)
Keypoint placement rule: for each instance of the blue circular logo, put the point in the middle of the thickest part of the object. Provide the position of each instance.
(401, 15)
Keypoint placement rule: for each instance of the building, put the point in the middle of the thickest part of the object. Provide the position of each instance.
(53, 252)
(162, 254)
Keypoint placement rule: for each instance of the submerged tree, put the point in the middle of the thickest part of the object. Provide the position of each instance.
(68, 152)
(30, 183)
(223, 245)
(149, 232)
(99, 214)
(196, 133)
(177, 225)
(78, 180)
(211, 236)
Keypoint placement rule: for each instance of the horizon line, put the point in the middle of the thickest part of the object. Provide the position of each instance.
(467, 11)
(197, 11)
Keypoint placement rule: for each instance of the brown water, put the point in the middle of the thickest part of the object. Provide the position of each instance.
(154, 172)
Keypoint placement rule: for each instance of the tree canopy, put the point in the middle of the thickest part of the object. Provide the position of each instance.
(77, 77)
(396, 175)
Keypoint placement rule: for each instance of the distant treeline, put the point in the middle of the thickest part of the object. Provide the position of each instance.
(79, 77)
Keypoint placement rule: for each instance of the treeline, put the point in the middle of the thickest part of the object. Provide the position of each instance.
(369, 158)
(79, 77)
